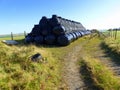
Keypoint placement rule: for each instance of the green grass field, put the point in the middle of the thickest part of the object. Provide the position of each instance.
(18, 72)
(15, 37)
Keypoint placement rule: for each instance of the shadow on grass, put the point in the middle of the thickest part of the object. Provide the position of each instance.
(114, 55)
(88, 78)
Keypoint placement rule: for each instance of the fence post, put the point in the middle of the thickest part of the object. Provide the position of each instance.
(11, 36)
(25, 33)
(111, 33)
(115, 34)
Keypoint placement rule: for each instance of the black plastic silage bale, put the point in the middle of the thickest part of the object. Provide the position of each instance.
(63, 26)
(82, 32)
(36, 30)
(43, 22)
(54, 21)
(50, 39)
(39, 39)
(67, 25)
(73, 25)
(58, 25)
(74, 36)
(64, 40)
(59, 30)
(29, 38)
(45, 26)
(78, 34)
(46, 30)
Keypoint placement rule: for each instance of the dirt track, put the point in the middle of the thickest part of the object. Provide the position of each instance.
(72, 75)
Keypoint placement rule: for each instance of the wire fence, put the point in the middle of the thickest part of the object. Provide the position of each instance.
(113, 33)
(13, 36)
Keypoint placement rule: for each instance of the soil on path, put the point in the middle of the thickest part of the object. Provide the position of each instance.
(72, 75)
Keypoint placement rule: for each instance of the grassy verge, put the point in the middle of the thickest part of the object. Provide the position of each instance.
(18, 72)
(101, 76)
(112, 47)
(113, 44)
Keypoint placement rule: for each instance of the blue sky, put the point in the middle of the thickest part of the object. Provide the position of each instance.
(20, 15)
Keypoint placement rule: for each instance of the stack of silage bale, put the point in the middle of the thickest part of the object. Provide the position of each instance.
(56, 30)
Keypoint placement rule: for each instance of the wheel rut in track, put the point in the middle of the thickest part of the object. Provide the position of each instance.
(107, 58)
(110, 59)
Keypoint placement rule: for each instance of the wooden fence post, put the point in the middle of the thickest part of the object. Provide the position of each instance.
(25, 33)
(111, 33)
(11, 36)
(115, 34)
